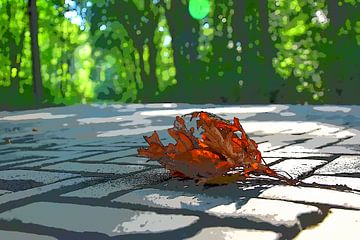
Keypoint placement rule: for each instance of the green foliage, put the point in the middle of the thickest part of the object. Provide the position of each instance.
(165, 71)
(297, 27)
(138, 51)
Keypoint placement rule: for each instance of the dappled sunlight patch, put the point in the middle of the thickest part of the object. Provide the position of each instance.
(332, 109)
(132, 131)
(99, 120)
(33, 116)
(219, 110)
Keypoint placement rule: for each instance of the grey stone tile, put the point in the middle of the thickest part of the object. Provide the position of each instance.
(338, 224)
(297, 167)
(10, 235)
(313, 195)
(40, 190)
(337, 149)
(343, 164)
(282, 154)
(12, 156)
(94, 148)
(228, 233)
(37, 176)
(109, 221)
(351, 182)
(95, 168)
(100, 157)
(126, 183)
(134, 160)
(318, 142)
(22, 162)
(172, 199)
(62, 156)
(128, 152)
(21, 154)
(2, 192)
(275, 212)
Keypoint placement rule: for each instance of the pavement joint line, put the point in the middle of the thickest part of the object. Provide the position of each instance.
(333, 143)
(310, 173)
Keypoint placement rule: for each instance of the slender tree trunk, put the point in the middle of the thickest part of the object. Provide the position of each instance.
(273, 83)
(184, 32)
(122, 10)
(35, 54)
(149, 80)
(16, 50)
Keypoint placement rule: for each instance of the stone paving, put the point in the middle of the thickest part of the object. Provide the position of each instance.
(72, 173)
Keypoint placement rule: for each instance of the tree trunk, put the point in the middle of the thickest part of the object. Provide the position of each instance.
(184, 43)
(35, 54)
(274, 85)
(123, 10)
(16, 50)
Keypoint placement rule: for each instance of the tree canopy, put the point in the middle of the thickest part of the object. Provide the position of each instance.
(195, 51)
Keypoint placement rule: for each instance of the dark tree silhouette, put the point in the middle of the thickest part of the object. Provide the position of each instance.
(184, 33)
(35, 54)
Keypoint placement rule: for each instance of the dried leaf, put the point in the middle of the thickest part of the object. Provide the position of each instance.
(224, 153)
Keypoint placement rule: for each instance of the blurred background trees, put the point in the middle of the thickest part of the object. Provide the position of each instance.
(195, 51)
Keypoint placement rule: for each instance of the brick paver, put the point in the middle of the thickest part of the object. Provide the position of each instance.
(77, 176)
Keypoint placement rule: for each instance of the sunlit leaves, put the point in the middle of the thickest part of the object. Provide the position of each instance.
(165, 70)
(296, 28)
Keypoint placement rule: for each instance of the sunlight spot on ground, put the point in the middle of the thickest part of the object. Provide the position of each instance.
(332, 109)
(99, 120)
(127, 132)
(33, 116)
(220, 110)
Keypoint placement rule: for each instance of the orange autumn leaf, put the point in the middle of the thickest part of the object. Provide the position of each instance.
(224, 153)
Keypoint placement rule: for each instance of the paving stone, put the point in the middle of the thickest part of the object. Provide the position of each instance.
(282, 154)
(22, 162)
(171, 199)
(109, 221)
(275, 212)
(62, 158)
(40, 190)
(94, 168)
(318, 142)
(337, 149)
(153, 176)
(13, 156)
(128, 152)
(37, 176)
(134, 160)
(2, 192)
(313, 195)
(338, 224)
(99, 157)
(20, 154)
(285, 127)
(297, 167)
(10, 235)
(350, 182)
(216, 233)
(94, 148)
(327, 130)
(343, 164)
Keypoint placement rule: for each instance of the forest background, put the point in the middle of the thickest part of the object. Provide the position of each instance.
(55, 52)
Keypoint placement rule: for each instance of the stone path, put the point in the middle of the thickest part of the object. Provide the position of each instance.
(72, 173)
